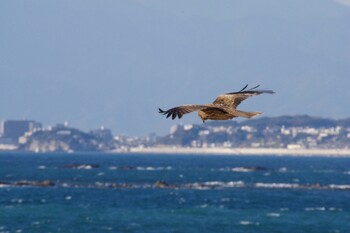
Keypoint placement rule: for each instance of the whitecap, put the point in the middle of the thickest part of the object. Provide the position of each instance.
(216, 185)
(145, 168)
(283, 169)
(315, 209)
(241, 169)
(249, 223)
(68, 198)
(17, 200)
(339, 186)
(273, 215)
(276, 185)
(245, 223)
(86, 167)
(220, 184)
(42, 167)
(153, 168)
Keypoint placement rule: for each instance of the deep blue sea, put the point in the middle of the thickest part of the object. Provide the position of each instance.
(173, 193)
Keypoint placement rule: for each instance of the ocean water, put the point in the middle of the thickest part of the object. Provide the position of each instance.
(173, 193)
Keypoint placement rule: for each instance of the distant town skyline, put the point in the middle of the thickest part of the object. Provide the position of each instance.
(113, 63)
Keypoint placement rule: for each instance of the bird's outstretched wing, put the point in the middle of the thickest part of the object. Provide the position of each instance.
(181, 110)
(233, 99)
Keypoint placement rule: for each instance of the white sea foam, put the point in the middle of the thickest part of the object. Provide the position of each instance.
(283, 169)
(215, 185)
(245, 223)
(154, 168)
(42, 167)
(276, 185)
(230, 184)
(315, 209)
(339, 186)
(273, 215)
(86, 167)
(17, 200)
(249, 223)
(107, 228)
(241, 169)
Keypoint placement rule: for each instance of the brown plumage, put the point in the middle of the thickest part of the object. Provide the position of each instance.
(223, 108)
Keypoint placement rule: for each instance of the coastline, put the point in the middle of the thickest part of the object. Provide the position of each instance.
(243, 151)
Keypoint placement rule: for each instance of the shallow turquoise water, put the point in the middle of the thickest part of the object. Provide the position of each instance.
(118, 193)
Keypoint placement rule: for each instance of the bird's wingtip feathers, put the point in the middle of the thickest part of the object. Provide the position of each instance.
(244, 88)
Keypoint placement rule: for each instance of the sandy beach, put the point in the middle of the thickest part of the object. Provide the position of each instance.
(244, 151)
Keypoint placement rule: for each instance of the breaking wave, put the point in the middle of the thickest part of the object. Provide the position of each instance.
(140, 168)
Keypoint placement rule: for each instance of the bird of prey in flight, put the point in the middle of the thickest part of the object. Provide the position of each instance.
(223, 107)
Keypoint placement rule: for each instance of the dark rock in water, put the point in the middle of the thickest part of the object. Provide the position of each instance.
(45, 183)
(123, 185)
(259, 168)
(4, 183)
(160, 184)
(81, 166)
(127, 168)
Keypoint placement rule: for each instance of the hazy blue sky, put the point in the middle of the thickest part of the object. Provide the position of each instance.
(113, 63)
